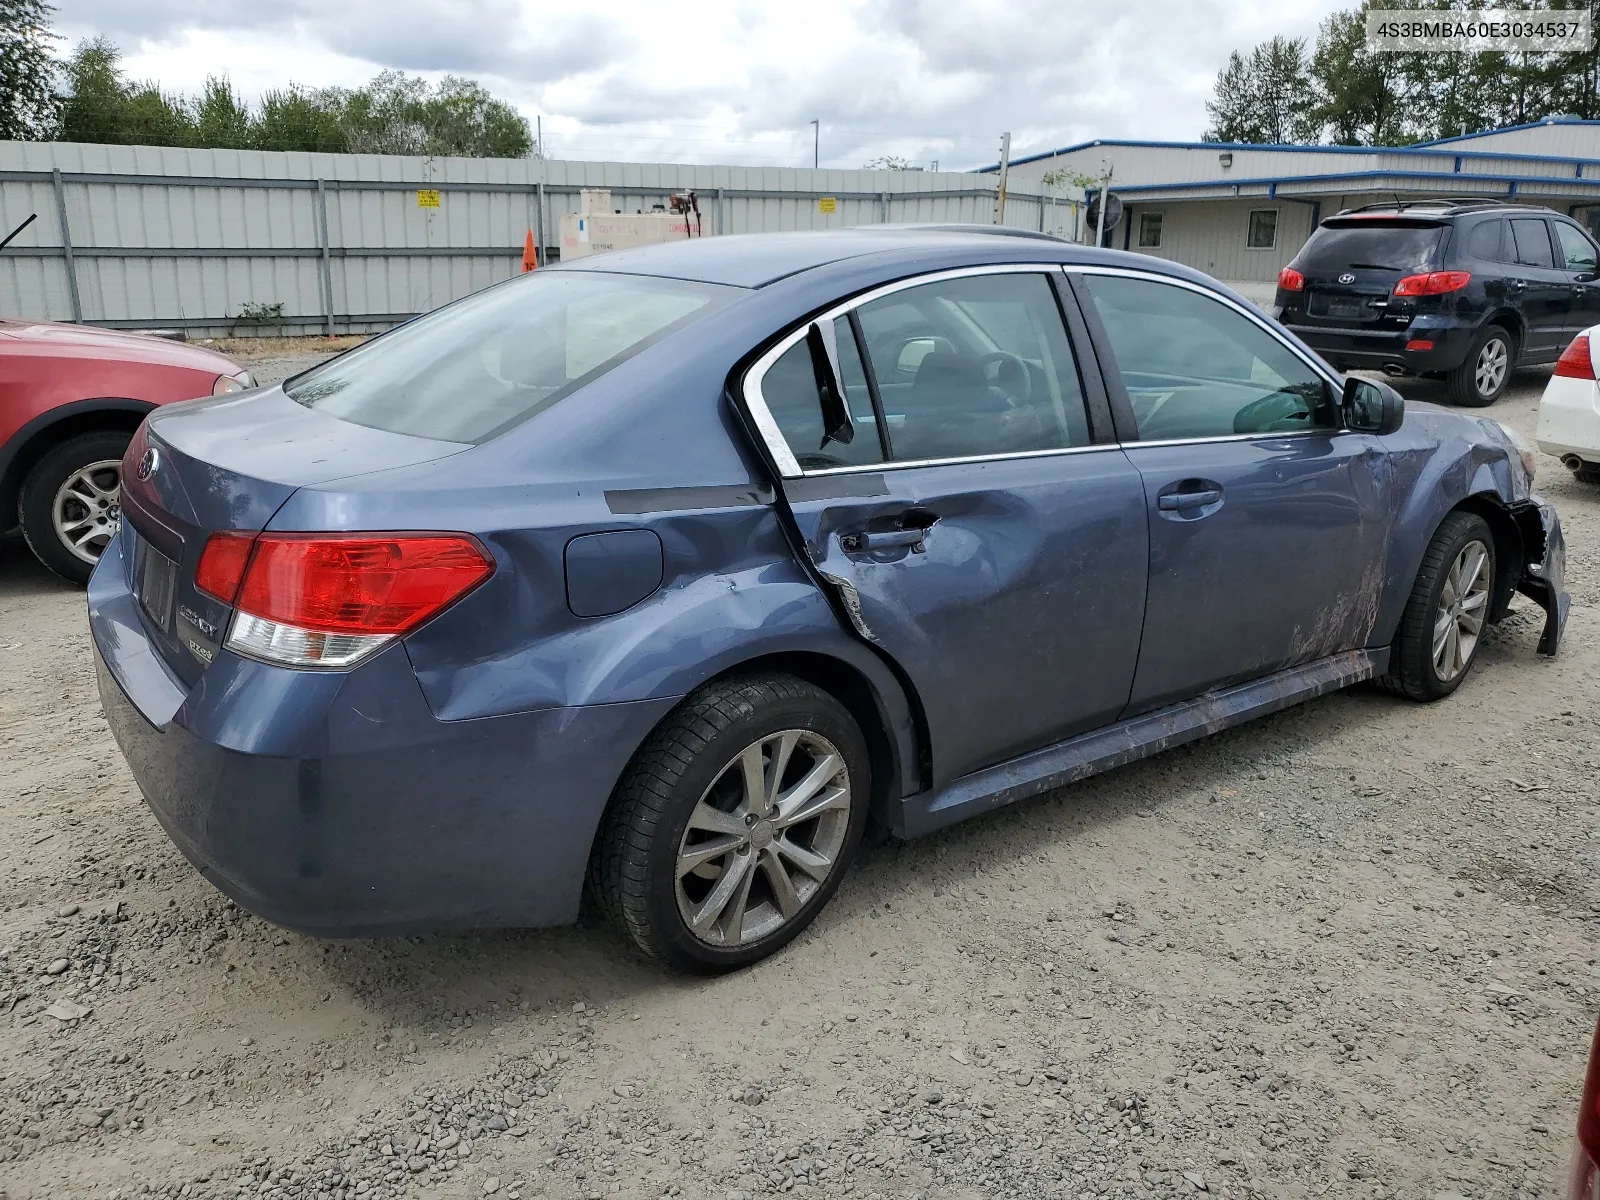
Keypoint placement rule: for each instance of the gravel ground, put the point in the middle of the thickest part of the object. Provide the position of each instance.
(1347, 950)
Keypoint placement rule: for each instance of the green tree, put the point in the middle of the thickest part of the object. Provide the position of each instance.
(297, 118)
(1364, 97)
(401, 114)
(220, 118)
(1264, 97)
(28, 99)
(92, 110)
(890, 162)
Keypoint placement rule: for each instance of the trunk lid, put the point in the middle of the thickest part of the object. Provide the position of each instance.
(1351, 265)
(224, 464)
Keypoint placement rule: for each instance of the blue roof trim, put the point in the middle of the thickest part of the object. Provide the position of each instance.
(1467, 137)
(1418, 148)
(1274, 182)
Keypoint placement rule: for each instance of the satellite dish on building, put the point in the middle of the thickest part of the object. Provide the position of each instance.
(1091, 215)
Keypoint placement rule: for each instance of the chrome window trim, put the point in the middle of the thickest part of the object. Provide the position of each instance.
(900, 464)
(767, 426)
(789, 467)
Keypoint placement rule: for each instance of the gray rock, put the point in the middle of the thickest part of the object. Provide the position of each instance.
(58, 967)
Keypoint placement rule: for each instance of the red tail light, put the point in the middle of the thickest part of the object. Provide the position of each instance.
(329, 599)
(1435, 283)
(1576, 362)
(1291, 280)
(221, 568)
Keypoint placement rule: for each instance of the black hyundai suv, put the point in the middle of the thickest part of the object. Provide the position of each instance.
(1464, 290)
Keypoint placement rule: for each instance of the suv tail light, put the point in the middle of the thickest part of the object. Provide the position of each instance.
(331, 600)
(1291, 280)
(1586, 1158)
(1576, 362)
(1435, 283)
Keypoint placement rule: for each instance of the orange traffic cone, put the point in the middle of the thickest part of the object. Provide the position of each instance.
(530, 253)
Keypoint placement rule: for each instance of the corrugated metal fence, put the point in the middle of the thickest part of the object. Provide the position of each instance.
(158, 237)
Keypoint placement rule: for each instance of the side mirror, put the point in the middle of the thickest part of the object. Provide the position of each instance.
(1370, 407)
(824, 347)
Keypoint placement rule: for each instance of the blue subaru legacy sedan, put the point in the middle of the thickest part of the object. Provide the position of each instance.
(667, 571)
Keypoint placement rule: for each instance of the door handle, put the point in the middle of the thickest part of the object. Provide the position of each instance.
(859, 543)
(1178, 501)
(1516, 285)
(914, 526)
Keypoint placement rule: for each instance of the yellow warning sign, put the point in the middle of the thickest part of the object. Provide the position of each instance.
(428, 198)
(828, 204)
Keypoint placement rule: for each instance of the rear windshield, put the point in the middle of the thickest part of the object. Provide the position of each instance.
(1371, 245)
(465, 372)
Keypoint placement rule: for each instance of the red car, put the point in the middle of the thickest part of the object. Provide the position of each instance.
(70, 398)
(1586, 1155)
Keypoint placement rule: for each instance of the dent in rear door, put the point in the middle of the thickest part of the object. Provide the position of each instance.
(1008, 586)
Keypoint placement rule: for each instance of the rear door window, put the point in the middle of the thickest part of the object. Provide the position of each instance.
(1531, 237)
(1371, 245)
(465, 372)
(967, 367)
(1576, 250)
(973, 366)
(794, 399)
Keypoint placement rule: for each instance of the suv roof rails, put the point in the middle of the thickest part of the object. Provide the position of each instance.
(1450, 204)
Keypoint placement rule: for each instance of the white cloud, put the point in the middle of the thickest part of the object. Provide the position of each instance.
(739, 82)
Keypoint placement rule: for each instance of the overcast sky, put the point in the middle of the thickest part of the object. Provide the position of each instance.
(928, 80)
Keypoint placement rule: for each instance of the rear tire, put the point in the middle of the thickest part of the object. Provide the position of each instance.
(694, 862)
(70, 502)
(1485, 373)
(1444, 619)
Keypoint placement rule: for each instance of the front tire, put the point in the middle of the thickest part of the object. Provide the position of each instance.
(1484, 374)
(1443, 622)
(734, 824)
(71, 502)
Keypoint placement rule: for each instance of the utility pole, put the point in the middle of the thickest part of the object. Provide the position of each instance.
(1005, 169)
(816, 144)
(538, 124)
(1105, 203)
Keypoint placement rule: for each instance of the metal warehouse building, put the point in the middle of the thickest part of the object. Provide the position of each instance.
(1240, 212)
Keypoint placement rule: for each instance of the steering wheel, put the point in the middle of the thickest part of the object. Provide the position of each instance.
(1018, 388)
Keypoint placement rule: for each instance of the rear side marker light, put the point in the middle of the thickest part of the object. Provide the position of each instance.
(1419, 344)
(1435, 283)
(1291, 280)
(320, 600)
(1576, 362)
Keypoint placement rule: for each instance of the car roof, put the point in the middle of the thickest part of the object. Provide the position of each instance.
(753, 260)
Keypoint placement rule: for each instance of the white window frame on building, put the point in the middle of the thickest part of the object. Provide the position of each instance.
(1149, 222)
(1250, 229)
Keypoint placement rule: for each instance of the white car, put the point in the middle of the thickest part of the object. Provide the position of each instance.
(1569, 412)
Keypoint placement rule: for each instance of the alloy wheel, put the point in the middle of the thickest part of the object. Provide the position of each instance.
(1463, 604)
(1490, 371)
(765, 836)
(87, 507)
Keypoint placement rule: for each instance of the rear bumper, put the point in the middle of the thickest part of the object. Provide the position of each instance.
(1569, 418)
(1544, 568)
(1373, 350)
(338, 805)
